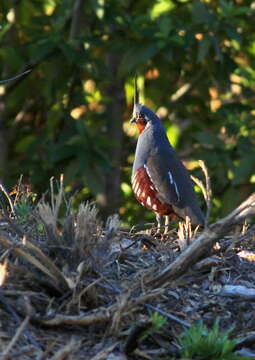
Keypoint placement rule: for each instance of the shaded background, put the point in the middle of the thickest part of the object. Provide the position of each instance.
(195, 61)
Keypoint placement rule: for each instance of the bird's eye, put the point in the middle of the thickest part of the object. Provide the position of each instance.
(143, 117)
(140, 117)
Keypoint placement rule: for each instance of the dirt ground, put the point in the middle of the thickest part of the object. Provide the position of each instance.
(74, 289)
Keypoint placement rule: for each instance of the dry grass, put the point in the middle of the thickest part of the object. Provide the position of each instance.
(185, 233)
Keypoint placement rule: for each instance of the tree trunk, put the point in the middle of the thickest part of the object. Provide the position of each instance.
(115, 110)
(3, 140)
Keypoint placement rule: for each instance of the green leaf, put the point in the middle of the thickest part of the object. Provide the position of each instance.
(199, 343)
(201, 14)
(173, 134)
(137, 55)
(165, 26)
(24, 143)
(209, 140)
(43, 48)
(4, 28)
(72, 54)
(229, 9)
(245, 169)
(230, 199)
(99, 7)
(161, 7)
(217, 49)
(204, 47)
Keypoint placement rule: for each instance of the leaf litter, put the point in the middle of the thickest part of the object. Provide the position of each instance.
(73, 288)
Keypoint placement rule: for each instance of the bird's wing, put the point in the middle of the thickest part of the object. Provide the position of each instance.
(163, 179)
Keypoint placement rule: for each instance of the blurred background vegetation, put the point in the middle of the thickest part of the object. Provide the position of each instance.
(196, 66)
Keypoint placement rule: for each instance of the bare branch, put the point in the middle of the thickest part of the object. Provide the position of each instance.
(15, 81)
(16, 77)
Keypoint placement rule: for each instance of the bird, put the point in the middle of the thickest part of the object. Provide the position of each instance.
(160, 181)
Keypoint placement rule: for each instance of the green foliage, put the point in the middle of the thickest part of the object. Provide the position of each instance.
(158, 321)
(200, 343)
(23, 210)
(40, 228)
(24, 201)
(194, 58)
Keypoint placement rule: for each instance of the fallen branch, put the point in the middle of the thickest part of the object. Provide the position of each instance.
(99, 316)
(204, 242)
(238, 291)
(103, 314)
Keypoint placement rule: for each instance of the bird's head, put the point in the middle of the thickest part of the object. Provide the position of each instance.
(143, 117)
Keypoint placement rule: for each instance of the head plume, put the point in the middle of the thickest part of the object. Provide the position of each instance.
(136, 106)
(136, 92)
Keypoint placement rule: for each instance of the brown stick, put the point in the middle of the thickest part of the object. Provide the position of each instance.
(20, 330)
(103, 314)
(68, 349)
(103, 354)
(204, 242)
(15, 77)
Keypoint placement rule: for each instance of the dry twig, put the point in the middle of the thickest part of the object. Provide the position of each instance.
(67, 350)
(48, 213)
(20, 330)
(2, 188)
(102, 354)
(184, 233)
(206, 190)
(56, 200)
